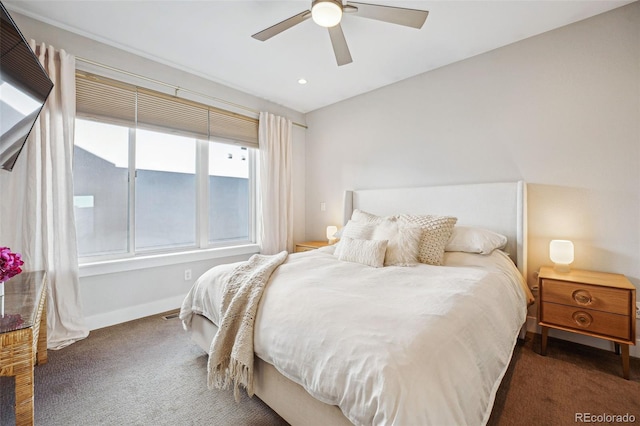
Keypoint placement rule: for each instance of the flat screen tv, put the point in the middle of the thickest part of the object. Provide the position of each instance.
(24, 88)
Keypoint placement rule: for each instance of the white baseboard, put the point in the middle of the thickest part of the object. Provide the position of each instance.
(133, 312)
(532, 326)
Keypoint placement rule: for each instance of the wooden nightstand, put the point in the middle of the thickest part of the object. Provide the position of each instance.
(595, 304)
(310, 245)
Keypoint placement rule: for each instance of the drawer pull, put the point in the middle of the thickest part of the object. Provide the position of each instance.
(582, 297)
(583, 319)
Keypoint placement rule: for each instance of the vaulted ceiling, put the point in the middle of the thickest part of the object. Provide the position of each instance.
(213, 39)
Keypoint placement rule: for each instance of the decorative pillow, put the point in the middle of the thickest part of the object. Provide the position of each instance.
(436, 231)
(355, 230)
(367, 252)
(402, 249)
(475, 240)
(364, 217)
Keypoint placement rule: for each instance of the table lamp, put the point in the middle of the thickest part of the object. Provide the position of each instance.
(331, 231)
(561, 254)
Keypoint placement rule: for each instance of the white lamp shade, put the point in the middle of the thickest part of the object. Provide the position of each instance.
(331, 231)
(561, 253)
(326, 13)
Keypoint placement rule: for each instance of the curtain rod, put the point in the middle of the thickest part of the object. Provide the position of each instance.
(174, 87)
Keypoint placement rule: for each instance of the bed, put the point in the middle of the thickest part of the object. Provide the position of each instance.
(341, 342)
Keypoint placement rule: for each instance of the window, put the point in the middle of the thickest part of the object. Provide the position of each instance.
(101, 200)
(165, 202)
(229, 193)
(154, 173)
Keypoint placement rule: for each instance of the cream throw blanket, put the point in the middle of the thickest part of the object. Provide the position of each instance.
(231, 352)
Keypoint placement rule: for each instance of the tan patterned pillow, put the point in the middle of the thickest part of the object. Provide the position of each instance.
(436, 231)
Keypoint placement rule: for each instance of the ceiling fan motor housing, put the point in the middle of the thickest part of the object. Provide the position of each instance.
(326, 13)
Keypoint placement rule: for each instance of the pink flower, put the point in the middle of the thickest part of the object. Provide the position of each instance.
(10, 263)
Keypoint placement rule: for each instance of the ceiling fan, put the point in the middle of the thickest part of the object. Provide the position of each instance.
(328, 13)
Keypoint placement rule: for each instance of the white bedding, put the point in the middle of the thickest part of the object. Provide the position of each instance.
(389, 346)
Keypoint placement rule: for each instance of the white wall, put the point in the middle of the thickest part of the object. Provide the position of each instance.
(111, 298)
(560, 110)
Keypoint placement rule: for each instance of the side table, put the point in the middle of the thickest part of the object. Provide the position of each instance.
(310, 245)
(596, 304)
(23, 336)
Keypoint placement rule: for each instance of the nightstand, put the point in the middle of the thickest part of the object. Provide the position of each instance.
(310, 245)
(596, 304)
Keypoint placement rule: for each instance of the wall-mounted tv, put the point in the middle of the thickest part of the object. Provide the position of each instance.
(24, 88)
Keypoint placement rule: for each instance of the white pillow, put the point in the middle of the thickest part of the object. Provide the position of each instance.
(436, 231)
(475, 240)
(364, 217)
(402, 249)
(367, 252)
(357, 231)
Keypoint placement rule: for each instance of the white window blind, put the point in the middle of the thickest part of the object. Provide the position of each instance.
(120, 103)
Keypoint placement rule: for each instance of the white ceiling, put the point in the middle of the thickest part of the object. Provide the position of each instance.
(213, 39)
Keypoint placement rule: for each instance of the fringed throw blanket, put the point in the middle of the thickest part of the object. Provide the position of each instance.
(231, 352)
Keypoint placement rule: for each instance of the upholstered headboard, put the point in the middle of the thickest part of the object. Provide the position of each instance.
(500, 207)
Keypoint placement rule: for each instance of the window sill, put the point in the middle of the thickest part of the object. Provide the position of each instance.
(165, 259)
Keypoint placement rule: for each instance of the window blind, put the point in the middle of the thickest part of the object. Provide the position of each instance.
(105, 100)
(120, 103)
(233, 127)
(161, 112)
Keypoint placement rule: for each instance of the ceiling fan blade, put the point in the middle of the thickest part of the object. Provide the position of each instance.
(282, 26)
(396, 15)
(340, 48)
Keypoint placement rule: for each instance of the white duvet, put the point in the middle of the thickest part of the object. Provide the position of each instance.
(421, 345)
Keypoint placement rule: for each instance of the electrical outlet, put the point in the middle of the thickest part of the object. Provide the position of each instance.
(187, 274)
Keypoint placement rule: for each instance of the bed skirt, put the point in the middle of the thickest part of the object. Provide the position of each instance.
(290, 400)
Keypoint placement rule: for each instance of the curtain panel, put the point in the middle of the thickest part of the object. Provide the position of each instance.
(36, 215)
(275, 215)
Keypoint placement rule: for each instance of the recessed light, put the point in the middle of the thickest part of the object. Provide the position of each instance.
(302, 81)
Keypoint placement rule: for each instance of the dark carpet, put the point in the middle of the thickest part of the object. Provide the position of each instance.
(144, 372)
(572, 383)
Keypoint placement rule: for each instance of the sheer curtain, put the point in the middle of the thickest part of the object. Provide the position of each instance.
(276, 206)
(36, 212)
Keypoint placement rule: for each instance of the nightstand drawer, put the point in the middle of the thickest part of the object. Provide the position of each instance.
(581, 295)
(586, 320)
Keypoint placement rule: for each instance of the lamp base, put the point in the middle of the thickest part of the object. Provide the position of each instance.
(561, 267)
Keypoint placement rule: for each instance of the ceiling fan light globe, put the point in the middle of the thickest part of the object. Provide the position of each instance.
(326, 13)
